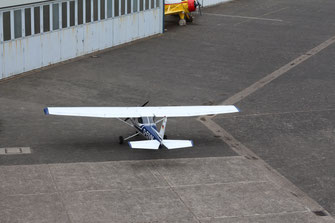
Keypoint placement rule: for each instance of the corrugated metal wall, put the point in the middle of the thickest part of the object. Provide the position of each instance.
(33, 45)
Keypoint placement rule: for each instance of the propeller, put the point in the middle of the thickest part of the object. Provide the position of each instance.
(145, 104)
(141, 106)
(199, 6)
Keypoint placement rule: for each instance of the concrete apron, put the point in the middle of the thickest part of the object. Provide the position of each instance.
(224, 189)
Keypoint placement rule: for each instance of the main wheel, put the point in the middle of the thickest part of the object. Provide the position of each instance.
(182, 22)
(121, 139)
(165, 137)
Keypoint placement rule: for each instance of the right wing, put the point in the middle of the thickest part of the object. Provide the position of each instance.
(136, 112)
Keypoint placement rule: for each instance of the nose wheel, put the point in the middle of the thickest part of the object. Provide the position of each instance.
(121, 140)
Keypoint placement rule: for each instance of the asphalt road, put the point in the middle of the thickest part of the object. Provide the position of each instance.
(289, 123)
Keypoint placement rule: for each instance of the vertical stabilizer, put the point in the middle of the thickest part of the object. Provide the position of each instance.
(163, 127)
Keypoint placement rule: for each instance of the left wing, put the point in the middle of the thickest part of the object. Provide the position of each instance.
(136, 112)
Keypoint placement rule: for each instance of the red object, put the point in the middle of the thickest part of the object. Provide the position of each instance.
(191, 5)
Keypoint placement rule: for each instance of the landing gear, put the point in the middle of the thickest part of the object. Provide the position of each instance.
(165, 137)
(188, 17)
(182, 22)
(121, 140)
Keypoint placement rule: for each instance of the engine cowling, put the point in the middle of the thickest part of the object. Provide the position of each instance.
(191, 5)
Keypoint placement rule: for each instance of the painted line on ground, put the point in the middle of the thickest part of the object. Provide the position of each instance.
(278, 113)
(243, 17)
(274, 75)
(15, 151)
(273, 175)
(261, 16)
(273, 12)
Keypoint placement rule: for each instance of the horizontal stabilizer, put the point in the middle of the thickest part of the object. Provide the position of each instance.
(144, 144)
(176, 144)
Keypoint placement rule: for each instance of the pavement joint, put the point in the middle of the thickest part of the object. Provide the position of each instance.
(274, 176)
(59, 193)
(243, 17)
(274, 75)
(259, 215)
(278, 113)
(226, 183)
(179, 197)
(273, 12)
(242, 150)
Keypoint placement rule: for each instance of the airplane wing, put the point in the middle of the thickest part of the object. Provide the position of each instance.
(136, 112)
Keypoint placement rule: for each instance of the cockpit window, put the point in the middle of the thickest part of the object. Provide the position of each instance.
(140, 120)
(145, 120)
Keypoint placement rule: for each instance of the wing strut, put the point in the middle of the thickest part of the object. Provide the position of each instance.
(126, 122)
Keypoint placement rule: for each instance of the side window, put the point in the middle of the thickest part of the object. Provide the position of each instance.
(129, 6)
(17, 24)
(6, 26)
(102, 9)
(109, 8)
(46, 18)
(80, 12)
(135, 5)
(147, 4)
(116, 7)
(72, 13)
(55, 16)
(88, 11)
(37, 20)
(64, 15)
(123, 7)
(95, 10)
(27, 15)
(141, 5)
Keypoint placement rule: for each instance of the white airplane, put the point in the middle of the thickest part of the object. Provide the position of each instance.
(143, 120)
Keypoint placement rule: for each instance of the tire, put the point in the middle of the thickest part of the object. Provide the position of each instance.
(189, 18)
(165, 137)
(121, 140)
(182, 22)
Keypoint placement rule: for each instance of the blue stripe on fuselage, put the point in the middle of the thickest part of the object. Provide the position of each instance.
(152, 130)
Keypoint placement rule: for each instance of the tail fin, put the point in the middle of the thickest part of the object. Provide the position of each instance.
(144, 144)
(163, 127)
(176, 144)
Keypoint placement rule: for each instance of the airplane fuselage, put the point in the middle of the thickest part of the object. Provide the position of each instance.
(147, 127)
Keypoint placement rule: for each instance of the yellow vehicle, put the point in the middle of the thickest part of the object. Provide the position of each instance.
(182, 8)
